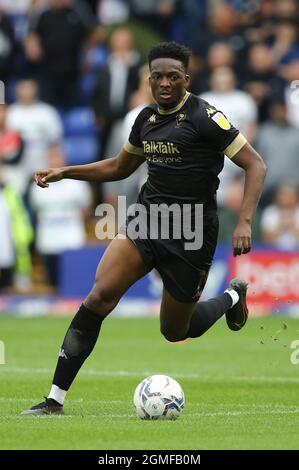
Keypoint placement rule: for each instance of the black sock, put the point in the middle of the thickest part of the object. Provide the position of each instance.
(207, 313)
(78, 343)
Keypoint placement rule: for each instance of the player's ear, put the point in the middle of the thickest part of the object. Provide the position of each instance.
(187, 80)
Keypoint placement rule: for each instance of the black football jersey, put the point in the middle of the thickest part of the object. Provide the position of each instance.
(184, 147)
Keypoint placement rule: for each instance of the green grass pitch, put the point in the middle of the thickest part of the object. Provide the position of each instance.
(241, 388)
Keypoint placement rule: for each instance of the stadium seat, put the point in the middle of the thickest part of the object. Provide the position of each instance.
(81, 149)
(86, 86)
(79, 121)
(96, 57)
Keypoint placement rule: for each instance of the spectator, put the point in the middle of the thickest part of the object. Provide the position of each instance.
(223, 25)
(190, 17)
(11, 144)
(238, 105)
(7, 47)
(54, 42)
(11, 152)
(220, 54)
(15, 237)
(280, 221)
(261, 79)
(285, 48)
(278, 142)
(131, 185)
(15, 7)
(286, 9)
(156, 14)
(40, 127)
(115, 83)
(60, 217)
(240, 109)
(229, 213)
(112, 11)
(291, 74)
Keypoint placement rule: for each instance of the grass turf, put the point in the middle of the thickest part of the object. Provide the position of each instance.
(241, 388)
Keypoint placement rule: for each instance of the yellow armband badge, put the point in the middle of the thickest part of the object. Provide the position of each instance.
(221, 121)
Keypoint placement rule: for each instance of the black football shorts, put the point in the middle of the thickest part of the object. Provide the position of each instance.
(183, 272)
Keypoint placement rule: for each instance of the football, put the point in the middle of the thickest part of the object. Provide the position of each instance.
(159, 397)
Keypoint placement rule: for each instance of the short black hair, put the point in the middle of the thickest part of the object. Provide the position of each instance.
(170, 50)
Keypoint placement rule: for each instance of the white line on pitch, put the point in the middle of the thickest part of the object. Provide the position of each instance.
(133, 416)
(122, 373)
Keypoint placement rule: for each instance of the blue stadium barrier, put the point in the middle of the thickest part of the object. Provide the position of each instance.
(77, 271)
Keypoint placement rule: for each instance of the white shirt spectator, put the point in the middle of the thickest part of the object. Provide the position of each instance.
(292, 102)
(271, 220)
(15, 7)
(129, 120)
(112, 11)
(40, 127)
(60, 224)
(237, 105)
(241, 111)
(130, 186)
(141, 173)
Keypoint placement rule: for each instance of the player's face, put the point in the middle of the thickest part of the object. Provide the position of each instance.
(168, 81)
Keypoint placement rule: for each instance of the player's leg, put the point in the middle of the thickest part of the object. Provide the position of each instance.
(175, 317)
(181, 320)
(120, 267)
(181, 315)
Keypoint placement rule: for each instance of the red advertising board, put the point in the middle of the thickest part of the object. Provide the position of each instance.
(273, 277)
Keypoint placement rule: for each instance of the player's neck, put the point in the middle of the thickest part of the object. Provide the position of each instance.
(177, 107)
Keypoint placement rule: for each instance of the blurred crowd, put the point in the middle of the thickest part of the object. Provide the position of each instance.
(75, 78)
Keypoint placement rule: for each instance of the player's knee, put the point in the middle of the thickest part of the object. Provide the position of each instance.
(101, 300)
(172, 335)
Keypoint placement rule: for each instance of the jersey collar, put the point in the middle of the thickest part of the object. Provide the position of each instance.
(177, 108)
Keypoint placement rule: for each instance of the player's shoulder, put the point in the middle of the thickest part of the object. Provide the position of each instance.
(204, 115)
(207, 118)
(145, 114)
(147, 111)
(202, 108)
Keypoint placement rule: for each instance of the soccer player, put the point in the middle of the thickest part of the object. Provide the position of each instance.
(183, 140)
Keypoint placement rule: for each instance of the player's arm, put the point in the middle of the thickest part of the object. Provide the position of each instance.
(255, 172)
(111, 169)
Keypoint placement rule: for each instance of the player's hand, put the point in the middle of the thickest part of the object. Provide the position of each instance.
(242, 239)
(51, 175)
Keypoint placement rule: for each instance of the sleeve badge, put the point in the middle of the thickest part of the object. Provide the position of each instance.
(221, 121)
